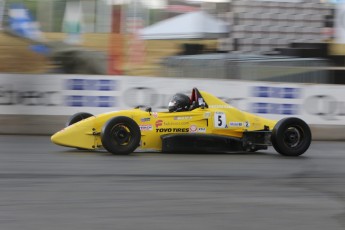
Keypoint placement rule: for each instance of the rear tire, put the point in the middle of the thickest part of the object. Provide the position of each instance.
(291, 137)
(120, 135)
(77, 117)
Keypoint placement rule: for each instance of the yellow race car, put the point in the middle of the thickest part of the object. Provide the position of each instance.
(200, 123)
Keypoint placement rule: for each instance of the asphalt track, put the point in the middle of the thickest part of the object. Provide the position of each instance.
(43, 186)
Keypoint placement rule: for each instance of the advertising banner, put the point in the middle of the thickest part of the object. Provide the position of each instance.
(68, 94)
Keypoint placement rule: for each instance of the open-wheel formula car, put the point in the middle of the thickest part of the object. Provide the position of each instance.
(208, 125)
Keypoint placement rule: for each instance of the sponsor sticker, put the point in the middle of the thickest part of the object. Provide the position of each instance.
(172, 130)
(239, 124)
(145, 127)
(201, 130)
(193, 128)
(235, 124)
(159, 123)
(146, 119)
(155, 114)
(171, 123)
(183, 118)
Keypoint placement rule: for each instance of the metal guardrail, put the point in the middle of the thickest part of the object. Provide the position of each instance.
(247, 67)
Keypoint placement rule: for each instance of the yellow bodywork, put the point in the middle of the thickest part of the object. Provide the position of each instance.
(217, 118)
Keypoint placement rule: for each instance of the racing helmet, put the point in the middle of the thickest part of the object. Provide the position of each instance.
(179, 102)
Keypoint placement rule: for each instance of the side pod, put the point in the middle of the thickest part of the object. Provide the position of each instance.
(192, 142)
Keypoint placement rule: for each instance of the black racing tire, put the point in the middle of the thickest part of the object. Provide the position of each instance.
(291, 137)
(77, 117)
(120, 135)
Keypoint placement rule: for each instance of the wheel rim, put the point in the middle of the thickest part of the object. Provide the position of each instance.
(121, 134)
(293, 137)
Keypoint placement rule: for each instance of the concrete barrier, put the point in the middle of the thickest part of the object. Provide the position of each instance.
(328, 132)
(31, 124)
(41, 104)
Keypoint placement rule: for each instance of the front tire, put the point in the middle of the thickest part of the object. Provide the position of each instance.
(120, 135)
(291, 137)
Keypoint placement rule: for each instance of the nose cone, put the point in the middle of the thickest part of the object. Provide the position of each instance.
(75, 137)
(62, 138)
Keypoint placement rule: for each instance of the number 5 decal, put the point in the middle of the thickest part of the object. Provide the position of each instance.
(219, 120)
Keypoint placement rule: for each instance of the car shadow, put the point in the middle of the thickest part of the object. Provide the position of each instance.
(102, 152)
(142, 153)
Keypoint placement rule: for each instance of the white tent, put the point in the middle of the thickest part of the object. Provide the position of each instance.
(185, 26)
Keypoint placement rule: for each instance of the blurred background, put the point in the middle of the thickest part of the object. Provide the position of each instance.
(273, 58)
(266, 40)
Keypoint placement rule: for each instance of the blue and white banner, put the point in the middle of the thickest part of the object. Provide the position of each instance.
(68, 94)
(22, 23)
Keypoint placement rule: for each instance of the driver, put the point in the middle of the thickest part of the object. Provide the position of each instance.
(179, 103)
